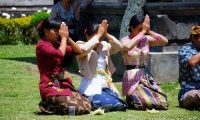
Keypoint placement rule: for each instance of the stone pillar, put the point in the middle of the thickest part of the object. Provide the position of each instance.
(133, 7)
(166, 27)
(164, 66)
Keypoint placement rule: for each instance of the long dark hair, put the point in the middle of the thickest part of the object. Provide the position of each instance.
(136, 20)
(48, 23)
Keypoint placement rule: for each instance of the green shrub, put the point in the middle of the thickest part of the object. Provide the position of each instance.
(27, 30)
(22, 30)
(7, 31)
(39, 16)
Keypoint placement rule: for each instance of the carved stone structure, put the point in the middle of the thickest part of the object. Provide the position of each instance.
(172, 19)
(138, 6)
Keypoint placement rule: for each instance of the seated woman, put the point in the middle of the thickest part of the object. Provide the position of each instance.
(56, 89)
(138, 84)
(96, 68)
(189, 77)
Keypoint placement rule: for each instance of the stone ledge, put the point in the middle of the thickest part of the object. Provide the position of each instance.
(28, 10)
(102, 8)
(151, 8)
(13, 3)
(164, 66)
(173, 8)
(118, 8)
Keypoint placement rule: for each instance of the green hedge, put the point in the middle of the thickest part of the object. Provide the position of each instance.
(21, 31)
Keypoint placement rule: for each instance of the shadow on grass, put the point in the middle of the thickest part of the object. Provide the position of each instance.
(190, 109)
(72, 68)
(31, 60)
(117, 78)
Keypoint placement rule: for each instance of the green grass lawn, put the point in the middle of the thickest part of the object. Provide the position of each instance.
(19, 93)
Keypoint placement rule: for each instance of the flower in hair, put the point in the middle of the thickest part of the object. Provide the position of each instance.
(39, 24)
(85, 31)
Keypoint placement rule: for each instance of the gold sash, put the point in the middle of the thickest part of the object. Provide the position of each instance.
(108, 79)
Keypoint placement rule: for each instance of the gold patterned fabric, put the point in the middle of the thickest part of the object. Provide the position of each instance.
(60, 104)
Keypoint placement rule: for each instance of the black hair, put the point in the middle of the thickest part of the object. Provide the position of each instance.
(91, 29)
(195, 36)
(136, 20)
(48, 23)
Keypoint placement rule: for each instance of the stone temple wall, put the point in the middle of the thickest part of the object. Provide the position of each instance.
(172, 19)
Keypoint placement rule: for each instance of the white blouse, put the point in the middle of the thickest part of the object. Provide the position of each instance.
(96, 83)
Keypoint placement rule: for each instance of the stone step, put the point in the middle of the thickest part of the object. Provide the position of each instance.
(163, 66)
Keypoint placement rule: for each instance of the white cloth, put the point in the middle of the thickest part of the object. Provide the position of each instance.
(95, 84)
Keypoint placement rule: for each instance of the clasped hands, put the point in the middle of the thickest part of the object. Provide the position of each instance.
(103, 31)
(63, 31)
(146, 25)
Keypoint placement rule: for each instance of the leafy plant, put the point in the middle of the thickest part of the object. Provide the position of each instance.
(25, 30)
(20, 31)
(7, 30)
(39, 16)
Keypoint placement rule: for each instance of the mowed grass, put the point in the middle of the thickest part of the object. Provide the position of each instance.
(19, 92)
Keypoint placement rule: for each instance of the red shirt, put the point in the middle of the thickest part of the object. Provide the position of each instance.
(49, 59)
